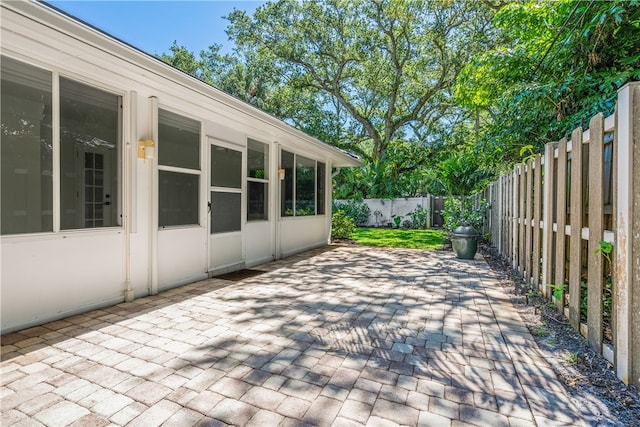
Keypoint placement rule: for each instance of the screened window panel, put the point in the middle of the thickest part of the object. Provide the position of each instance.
(225, 212)
(286, 185)
(178, 141)
(178, 199)
(25, 149)
(257, 201)
(257, 160)
(320, 186)
(89, 139)
(305, 186)
(226, 167)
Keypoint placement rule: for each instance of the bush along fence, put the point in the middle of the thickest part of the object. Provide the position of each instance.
(569, 221)
(411, 212)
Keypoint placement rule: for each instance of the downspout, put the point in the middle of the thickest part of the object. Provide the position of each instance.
(133, 106)
(128, 293)
(152, 187)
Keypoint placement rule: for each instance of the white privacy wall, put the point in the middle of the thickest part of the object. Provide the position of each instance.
(389, 207)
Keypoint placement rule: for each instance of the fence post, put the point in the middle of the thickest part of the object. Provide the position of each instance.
(596, 216)
(547, 217)
(627, 240)
(575, 248)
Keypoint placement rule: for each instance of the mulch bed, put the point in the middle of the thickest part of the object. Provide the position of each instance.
(588, 377)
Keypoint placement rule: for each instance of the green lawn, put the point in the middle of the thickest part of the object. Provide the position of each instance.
(400, 238)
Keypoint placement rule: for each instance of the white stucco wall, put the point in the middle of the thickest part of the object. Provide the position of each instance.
(389, 207)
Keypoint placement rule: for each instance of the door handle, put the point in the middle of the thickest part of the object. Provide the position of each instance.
(107, 203)
(208, 206)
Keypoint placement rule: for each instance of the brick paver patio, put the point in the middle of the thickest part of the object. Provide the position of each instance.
(338, 336)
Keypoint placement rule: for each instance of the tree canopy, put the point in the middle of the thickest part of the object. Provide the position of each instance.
(554, 65)
(411, 86)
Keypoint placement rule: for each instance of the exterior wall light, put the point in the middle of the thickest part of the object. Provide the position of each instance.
(146, 149)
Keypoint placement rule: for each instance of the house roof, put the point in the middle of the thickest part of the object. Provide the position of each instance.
(57, 19)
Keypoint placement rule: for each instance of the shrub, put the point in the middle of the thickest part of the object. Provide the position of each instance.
(357, 211)
(419, 218)
(342, 226)
(459, 211)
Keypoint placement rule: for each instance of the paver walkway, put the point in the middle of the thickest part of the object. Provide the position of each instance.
(338, 336)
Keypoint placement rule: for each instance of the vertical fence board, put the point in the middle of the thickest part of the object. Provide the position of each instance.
(521, 218)
(518, 225)
(627, 245)
(575, 253)
(548, 236)
(518, 189)
(596, 217)
(537, 200)
(634, 301)
(561, 218)
(507, 219)
(527, 220)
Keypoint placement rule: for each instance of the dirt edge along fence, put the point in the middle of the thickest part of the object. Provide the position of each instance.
(569, 221)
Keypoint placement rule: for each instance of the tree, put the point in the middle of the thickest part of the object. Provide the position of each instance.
(555, 65)
(380, 71)
(246, 79)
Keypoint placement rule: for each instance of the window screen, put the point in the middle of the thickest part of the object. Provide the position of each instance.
(178, 198)
(178, 147)
(320, 188)
(287, 164)
(179, 140)
(225, 212)
(305, 186)
(25, 149)
(226, 167)
(89, 145)
(257, 181)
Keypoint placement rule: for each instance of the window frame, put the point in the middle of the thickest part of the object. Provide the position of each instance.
(211, 142)
(265, 181)
(181, 170)
(316, 162)
(56, 169)
(119, 154)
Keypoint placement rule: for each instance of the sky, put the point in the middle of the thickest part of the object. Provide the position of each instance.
(153, 25)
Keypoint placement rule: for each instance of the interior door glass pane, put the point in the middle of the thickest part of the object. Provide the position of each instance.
(225, 212)
(257, 201)
(178, 141)
(305, 186)
(257, 160)
(286, 185)
(25, 149)
(178, 198)
(226, 167)
(89, 139)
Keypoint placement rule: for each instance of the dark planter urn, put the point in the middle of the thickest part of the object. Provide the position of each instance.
(464, 240)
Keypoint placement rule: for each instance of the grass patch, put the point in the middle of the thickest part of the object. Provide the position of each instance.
(400, 238)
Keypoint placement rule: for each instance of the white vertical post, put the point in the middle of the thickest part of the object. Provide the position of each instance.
(152, 186)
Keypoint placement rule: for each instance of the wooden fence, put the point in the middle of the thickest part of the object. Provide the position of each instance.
(550, 215)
